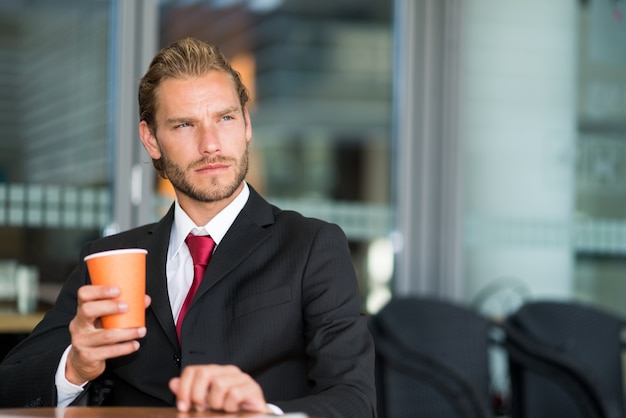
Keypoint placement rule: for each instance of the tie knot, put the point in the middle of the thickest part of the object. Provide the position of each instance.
(200, 247)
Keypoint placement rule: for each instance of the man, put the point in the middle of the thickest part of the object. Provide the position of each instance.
(275, 325)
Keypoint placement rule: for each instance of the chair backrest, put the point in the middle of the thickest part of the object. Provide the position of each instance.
(564, 360)
(431, 360)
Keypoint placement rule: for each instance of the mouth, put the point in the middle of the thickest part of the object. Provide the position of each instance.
(212, 168)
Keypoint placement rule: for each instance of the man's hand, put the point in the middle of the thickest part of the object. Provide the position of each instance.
(217, 387)
(91, 344)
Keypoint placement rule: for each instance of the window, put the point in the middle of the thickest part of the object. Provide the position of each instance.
(320, 77)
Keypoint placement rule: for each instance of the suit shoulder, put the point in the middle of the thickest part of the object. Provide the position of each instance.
(126, 239)
(302, 223)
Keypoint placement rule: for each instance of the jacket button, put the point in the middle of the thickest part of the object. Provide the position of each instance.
(177, 360)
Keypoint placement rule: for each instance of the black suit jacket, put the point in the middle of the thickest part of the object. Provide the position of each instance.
(279, 299)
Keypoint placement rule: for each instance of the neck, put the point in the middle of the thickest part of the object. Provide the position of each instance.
(202, 212)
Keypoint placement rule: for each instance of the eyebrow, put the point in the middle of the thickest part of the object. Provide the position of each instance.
(186, 119)
(178, 120)
(231, 109)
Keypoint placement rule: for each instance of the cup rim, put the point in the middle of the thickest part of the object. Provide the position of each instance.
(116, 252)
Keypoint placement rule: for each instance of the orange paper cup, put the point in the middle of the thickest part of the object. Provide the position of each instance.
(125, 269)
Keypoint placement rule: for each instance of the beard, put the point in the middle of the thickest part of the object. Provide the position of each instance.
(217, 190)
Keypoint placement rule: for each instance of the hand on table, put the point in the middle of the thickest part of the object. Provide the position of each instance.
(217, 387)
(92, 345)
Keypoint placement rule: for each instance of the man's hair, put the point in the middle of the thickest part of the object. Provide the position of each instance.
(184, 58)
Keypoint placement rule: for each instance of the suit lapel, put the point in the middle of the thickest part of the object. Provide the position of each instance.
(246, 235)
(157, 243)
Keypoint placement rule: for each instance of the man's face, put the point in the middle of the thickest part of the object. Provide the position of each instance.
(202, 136)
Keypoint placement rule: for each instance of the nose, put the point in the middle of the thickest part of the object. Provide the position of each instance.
(209, 142)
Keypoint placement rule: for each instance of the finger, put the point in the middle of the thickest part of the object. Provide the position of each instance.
(92, 292)
(86, 364)
(96, 301)
(203, 384)
(90, 312)
(184, 387)
(98, 345)
(113, 342)
(106, 337)
(221, 386)
(102, 353)
(181, 403)
(244, 394)
(256, 406)
(147, 300)
(173, 384)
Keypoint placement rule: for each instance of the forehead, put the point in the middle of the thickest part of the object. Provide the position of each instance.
(213, 89)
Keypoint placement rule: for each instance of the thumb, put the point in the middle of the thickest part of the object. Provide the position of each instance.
(174, 384)
(254, 406)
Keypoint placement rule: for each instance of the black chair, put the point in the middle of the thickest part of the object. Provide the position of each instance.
(564, 361)
(431, 360)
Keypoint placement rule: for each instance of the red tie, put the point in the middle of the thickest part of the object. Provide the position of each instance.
(201, 248)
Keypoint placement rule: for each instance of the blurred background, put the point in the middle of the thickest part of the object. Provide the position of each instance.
(470, 149)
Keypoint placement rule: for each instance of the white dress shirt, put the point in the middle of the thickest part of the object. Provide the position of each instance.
(179, 266)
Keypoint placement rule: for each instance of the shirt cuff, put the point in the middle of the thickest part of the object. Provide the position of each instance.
(66, 390)
(275, 410)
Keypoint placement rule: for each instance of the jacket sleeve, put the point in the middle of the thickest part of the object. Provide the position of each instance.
(27, 372)
(339, 346)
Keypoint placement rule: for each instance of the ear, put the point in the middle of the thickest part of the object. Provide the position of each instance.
(248, 125)
(149, 141)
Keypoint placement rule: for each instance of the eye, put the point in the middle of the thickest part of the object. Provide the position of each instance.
(228, 117)
(182, 125)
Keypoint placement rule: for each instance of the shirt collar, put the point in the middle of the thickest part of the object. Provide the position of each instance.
(216, 227)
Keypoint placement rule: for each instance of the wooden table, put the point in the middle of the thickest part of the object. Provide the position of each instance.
(122, 412)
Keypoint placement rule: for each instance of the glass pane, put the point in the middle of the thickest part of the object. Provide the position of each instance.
(55, 163)
(543, 130)
(600, 227)
(320, 76)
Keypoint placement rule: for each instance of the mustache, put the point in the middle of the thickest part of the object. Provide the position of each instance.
(211, 160)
